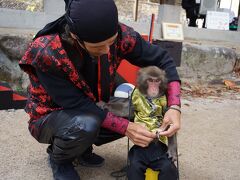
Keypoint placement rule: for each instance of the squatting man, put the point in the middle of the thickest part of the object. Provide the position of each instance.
(71, 65)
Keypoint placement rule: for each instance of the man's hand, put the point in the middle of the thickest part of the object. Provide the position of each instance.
(139, 134)
(172, 119)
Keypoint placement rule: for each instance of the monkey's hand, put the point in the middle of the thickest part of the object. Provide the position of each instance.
(139, 134)
(171, 123)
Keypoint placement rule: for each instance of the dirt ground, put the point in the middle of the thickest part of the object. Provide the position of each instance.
(209, 144)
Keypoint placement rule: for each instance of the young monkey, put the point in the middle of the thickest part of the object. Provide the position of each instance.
(150, 103)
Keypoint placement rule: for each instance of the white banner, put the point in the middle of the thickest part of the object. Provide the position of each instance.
(217, 20)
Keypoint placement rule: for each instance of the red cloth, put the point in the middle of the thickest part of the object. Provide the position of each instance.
(174, 93)
(115, 123)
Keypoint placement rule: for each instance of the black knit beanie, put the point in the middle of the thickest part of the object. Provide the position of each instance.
(92, 20)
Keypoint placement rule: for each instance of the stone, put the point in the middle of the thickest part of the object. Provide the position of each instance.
(202, 62)
(14, 46)
(12, 49)
(237, 65)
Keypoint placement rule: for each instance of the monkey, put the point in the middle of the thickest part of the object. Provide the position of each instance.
(149, 102)
(148, 105)
(152, 84)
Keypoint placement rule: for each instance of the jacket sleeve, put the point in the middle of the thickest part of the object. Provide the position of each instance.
(145, 54)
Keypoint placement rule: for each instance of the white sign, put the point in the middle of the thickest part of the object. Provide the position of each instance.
(198, 1)
(172, 31)
(217, 20)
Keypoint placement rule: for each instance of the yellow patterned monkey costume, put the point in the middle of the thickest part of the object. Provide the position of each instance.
(149, 112)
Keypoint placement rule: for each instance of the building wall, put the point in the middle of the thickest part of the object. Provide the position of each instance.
(145, 9)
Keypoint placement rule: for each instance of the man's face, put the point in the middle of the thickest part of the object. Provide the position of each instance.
(100, 48)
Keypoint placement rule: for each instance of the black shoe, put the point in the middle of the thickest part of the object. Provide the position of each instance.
(89, 159)
(64, 171)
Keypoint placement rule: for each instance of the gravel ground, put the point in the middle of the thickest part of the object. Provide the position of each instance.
(208, 142)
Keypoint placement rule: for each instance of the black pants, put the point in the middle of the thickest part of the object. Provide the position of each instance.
(70, 133)
(155, 157)
(192, 14)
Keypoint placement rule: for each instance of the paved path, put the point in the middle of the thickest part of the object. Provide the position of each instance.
(209, 145)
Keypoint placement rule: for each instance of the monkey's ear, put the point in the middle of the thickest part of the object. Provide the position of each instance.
(140, 77)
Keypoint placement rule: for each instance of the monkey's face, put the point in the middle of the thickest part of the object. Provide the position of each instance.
(151, 81)
(153, 86)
